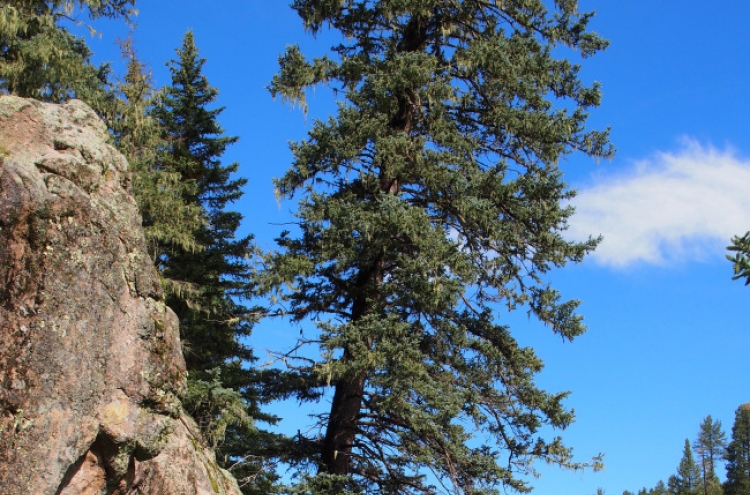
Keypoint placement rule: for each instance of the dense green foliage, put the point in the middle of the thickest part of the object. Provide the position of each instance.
(41, 59)
(158, 188)
(738, 454)
(219, 272)
(208, 286)
(687, 480)
(431, 204)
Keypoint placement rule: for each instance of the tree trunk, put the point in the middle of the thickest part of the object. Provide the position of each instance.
(337, 446)
(342, 424)
(336, 452)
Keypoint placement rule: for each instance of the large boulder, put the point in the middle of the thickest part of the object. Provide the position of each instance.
(91, 368)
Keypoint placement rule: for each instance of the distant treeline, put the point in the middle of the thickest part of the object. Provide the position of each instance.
(696, 472)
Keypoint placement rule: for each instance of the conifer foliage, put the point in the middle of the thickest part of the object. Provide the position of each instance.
(207, 286)
(741, 257)
(194, 143)
(430, 205)
(710, 446)
(738, 454)
(41, 59)
(687, 481)
(158, 188)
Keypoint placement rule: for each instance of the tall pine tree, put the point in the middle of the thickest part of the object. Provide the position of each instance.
(710, 446)
(687, 481)
(431, 204)
(207, 287)
(738, 454)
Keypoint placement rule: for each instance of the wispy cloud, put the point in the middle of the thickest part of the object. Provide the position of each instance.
(670, 207)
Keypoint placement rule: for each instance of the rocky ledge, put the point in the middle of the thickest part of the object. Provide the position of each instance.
(91, 368)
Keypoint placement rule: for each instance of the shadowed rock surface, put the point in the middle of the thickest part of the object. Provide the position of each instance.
(90, 360)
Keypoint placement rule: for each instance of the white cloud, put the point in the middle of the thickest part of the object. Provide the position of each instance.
(671, 207)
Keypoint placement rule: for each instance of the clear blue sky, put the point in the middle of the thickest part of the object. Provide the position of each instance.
(668, 341)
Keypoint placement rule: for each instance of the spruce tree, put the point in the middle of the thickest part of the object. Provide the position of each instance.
(738, 454)
(431, 204)
(41, 59)
(710, 447)
(687, 481)
(207, 287)
(158, 189)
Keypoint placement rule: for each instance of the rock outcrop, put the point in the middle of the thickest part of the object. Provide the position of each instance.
(90, 360)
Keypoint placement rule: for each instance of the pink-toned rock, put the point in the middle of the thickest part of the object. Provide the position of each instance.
(90, 361)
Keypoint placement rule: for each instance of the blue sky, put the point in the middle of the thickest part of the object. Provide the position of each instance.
(668, 341)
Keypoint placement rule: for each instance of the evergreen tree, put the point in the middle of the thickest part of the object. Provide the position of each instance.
(432, 203)
(41, 59)
(158, 189)
(659, 489)
(687, 481)
(710, 446)
(738, 454)
(194, 142)
(207, 286)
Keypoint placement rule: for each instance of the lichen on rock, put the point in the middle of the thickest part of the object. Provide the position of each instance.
(91, 368)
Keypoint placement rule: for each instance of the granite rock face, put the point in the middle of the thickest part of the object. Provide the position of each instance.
(90, 360)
